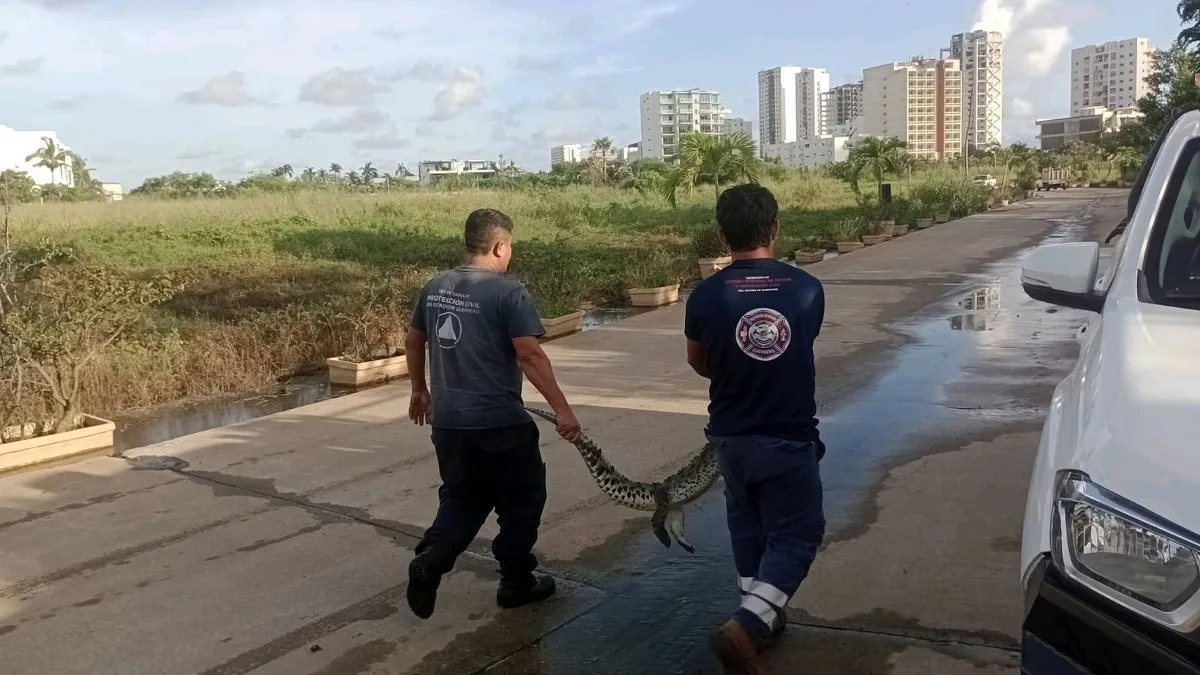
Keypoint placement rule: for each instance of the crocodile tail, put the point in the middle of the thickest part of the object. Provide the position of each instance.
(612, 482)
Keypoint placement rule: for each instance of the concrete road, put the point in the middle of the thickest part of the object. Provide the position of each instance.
(279, 546)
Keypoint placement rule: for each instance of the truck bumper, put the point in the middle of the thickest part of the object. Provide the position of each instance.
(1068, 630)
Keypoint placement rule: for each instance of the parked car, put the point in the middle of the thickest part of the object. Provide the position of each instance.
(1110, 554)
(985, 179)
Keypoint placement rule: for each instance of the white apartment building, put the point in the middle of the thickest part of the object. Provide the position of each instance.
(567, 154)
(791, 103)
(432, 171)
(668, 114)
(1088, 126)
(15, 146)
(1112, 74)
(811, 152)
(842, 104)
(918, 101)
(981, 57)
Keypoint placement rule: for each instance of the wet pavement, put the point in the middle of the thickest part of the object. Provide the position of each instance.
(278, 545)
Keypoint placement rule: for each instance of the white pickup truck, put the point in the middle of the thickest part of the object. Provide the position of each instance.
(1110, 556)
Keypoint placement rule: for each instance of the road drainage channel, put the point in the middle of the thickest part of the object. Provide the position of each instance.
(166, 423)
(663, 603)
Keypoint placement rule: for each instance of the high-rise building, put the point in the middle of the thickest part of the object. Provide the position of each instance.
(790, 103)
(981, 56)
(735, 125)
(668, 114)
(1112, 74)
(918, 101)
(842, 104)
(560, 154)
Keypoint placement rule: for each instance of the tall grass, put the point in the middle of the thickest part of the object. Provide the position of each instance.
(277, 282)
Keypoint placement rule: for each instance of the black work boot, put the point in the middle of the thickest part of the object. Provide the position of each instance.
(512, 594)
(422, 589)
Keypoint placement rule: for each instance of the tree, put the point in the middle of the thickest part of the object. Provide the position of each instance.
(51, 156)
(1189, 12)
(335, 169)
(1172, 86)
(282, 171)
(708, 158)
(369, 173)
(879, 157)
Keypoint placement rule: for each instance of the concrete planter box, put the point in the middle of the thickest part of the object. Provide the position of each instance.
(872, 239)
(563, 325)
(924, 223)
(349, 373)
(809, 256)
(654, 297)
(887, 228)
(96, 434)
(848, 246)
(710, 266)
(901, 230)
(941, 217)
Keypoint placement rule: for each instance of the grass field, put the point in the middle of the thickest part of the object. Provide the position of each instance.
(276, 283)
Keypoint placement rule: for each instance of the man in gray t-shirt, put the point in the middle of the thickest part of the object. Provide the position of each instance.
(482, 331)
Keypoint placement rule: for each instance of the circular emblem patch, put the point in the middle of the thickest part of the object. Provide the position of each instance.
(763, 334)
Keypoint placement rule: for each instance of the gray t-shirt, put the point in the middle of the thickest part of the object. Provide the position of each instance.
(471, 316)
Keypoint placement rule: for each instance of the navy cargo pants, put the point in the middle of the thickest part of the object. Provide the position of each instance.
(776, 522)
(482, 470)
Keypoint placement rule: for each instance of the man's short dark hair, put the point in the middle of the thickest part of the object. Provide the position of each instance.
(745, 214)
(484, 228)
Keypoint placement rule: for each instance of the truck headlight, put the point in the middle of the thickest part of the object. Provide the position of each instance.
(1121, 546)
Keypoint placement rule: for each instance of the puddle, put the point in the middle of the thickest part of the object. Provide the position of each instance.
(665, 602)
(166, 423)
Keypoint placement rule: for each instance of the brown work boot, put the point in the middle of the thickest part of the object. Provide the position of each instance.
(777, 627)
(736, 649)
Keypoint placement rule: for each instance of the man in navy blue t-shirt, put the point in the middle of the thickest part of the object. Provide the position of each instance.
(750, 330)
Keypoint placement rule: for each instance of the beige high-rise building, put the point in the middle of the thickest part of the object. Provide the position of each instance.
(918, 101)
(1112, 74)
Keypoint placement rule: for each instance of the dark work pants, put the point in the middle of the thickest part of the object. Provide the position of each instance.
(773, 500)
(482, 470)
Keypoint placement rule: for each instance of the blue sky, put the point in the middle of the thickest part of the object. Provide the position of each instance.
(144, 87)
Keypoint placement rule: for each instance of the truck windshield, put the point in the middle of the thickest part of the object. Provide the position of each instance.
(1172, 265)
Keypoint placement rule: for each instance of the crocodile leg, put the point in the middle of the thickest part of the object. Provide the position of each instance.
(662, 507)
(675, 527)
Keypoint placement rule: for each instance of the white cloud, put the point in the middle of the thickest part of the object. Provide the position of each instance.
(464, 91)
(1019, 107)
(1044, 46)
(1034, 32)
(22, 67)
(339, 86)
(228, 90)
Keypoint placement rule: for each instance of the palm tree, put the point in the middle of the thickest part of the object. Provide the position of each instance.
(335, 169)
(402, 171)
(352, 177)
(707, 157)
(281, 171)
(369, 172)
(308, 174)
(322, 175)
(50, 155)
(879, 157)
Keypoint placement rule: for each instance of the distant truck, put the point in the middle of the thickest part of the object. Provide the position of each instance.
(1053, 178)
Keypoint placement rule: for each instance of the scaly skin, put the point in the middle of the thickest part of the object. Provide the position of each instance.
(664, 498)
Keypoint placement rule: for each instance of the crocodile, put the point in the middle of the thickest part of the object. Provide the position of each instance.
(664, 498)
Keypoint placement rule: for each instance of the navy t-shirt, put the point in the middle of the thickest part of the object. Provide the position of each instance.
(757, 320)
